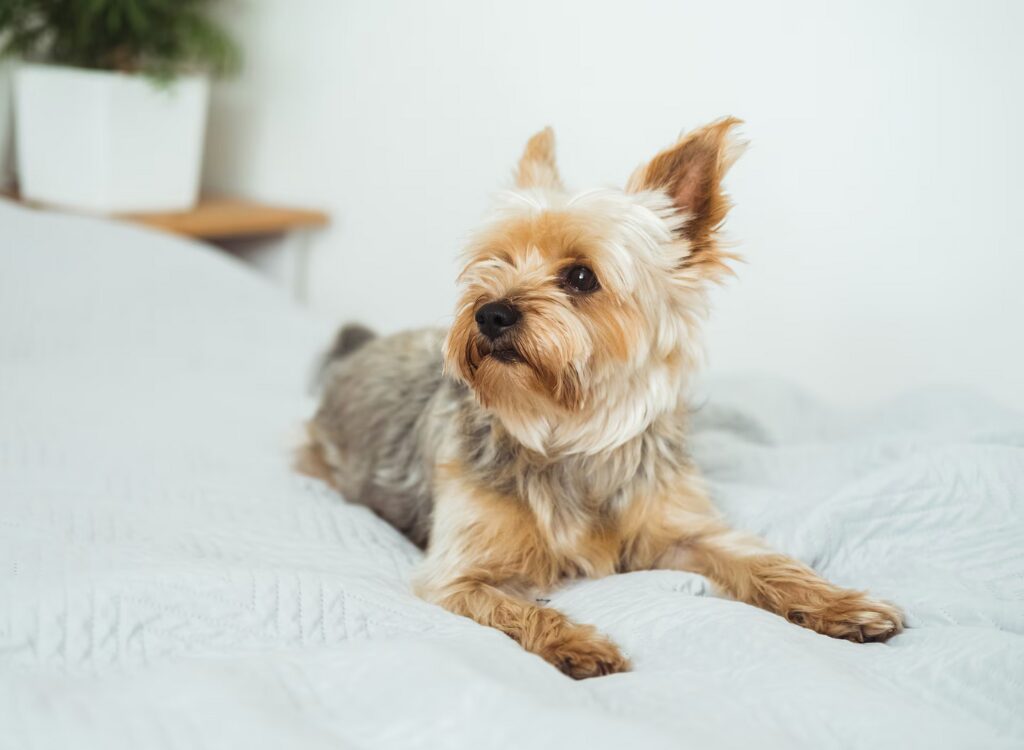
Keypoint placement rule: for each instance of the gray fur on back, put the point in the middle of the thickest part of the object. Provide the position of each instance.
(374, 422)
(389, 415)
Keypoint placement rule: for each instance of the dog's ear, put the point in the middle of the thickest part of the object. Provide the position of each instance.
(537, 166)
(691, 173)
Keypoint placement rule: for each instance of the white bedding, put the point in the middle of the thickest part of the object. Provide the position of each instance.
(166, 581)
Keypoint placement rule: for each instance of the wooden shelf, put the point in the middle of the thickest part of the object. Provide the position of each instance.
(221, 218)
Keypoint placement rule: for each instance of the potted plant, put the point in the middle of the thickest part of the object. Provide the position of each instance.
(110, 99)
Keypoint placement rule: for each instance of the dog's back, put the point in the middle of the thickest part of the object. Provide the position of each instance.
(376, 392)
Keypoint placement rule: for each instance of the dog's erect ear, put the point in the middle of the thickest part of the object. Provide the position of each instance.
(691, 173)
(537, 166)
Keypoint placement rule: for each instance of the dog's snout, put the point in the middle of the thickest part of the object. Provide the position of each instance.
(494, 318)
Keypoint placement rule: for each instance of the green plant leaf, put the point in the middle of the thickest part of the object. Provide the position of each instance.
(160, 38)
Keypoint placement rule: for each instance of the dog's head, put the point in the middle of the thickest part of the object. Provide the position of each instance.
(577, 320)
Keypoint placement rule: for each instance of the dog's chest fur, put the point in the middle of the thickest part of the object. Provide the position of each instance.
(580, 506)
(389, 421)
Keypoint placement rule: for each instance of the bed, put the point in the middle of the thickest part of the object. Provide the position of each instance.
(167, 581)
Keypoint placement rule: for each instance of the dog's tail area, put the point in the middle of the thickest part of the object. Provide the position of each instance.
(351, 337)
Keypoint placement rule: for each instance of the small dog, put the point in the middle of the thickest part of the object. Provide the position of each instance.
(542, 437)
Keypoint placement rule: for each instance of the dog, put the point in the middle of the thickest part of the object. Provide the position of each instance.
(543, 436)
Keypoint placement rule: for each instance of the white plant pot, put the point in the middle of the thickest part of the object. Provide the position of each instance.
(105, 142)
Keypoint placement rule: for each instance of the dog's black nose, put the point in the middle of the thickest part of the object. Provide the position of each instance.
(494, 318)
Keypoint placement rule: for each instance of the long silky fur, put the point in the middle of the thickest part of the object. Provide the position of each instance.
(570, 458)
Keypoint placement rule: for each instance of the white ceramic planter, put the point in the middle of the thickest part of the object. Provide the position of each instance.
(106, 142)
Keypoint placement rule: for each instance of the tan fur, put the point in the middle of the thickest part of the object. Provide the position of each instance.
(742, 567)
(691, 172)
(492, 554)
(310, 460)
(537, 167)
(567, 458)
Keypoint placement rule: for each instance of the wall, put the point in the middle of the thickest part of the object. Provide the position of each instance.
(876, 205)
(6, 125)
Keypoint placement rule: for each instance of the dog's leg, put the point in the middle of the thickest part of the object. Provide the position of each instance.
(744, 568)
(484, 558)
(577, 650)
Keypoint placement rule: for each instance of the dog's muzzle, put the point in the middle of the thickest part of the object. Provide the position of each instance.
(496, 318)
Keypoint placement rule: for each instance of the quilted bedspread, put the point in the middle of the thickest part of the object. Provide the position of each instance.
(167, 581)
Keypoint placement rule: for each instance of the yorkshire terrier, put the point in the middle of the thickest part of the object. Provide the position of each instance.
(543, 436)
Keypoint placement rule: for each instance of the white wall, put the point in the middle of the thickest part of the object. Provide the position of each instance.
(6, 125)
(877, 207)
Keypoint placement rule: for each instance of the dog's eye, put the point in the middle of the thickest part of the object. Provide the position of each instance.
(581, 279)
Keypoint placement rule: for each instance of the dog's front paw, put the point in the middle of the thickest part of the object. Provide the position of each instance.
(850, 615)
(580, 652)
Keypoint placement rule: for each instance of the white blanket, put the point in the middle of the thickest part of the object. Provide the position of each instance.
(167, 581)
